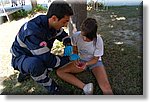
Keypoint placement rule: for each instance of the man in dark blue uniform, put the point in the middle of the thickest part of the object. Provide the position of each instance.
(31, 49)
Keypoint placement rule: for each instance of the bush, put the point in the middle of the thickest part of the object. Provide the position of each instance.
(19, 14)
(39, 8)
(22, 13)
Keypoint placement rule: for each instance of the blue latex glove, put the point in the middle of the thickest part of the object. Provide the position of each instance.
(68, 50)
(74, 57)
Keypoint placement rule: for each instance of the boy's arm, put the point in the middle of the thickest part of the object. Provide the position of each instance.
(94, 60)
(75, 50)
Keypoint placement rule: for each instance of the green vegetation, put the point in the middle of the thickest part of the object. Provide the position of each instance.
(22, 13)
(127, 11)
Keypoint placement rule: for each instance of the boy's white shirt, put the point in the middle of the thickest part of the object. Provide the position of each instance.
(87, 50)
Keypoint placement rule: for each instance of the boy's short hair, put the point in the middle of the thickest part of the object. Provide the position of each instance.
(89, 27)
(59, 9)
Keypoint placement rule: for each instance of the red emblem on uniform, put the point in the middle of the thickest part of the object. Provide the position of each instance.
(43, 43)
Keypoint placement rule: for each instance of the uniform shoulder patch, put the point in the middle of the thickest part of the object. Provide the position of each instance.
(43, 43)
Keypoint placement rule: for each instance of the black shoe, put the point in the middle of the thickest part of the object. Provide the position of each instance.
(55, 89)
(22, 77)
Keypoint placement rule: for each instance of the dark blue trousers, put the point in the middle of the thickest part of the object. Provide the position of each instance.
(35, 67)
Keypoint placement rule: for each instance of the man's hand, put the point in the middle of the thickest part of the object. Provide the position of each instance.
(68, 50)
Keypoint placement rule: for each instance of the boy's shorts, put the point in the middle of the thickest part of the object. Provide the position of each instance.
(90, 67)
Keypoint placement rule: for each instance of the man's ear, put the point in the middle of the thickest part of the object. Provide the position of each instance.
(54, 18)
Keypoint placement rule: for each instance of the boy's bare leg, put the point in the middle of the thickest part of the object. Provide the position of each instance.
(101, 76)
(66, 73)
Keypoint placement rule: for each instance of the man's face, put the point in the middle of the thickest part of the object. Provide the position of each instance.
(57, 24)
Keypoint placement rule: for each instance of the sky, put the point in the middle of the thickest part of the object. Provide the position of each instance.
(120, 2)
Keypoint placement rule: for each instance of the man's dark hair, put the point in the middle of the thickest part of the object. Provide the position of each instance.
(59, 9)
(89, 27)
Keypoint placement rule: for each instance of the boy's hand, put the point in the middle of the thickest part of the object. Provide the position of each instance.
(80, 64)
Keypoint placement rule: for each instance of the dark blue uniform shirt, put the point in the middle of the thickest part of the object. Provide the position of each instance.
(35, 39)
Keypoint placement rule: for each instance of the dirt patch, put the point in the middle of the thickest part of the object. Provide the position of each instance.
(8, 32)
(120, 26)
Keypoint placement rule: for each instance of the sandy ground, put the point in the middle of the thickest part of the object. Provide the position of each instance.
(8, 31)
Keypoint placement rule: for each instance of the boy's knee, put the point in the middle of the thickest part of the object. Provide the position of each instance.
(59, 72)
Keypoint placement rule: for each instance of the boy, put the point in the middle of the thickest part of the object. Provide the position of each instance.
(89, 46)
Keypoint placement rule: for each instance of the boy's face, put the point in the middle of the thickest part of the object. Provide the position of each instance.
(57, 24)
(84, 37)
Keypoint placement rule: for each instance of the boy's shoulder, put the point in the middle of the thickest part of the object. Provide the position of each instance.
(77, 33)
(99, 36)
